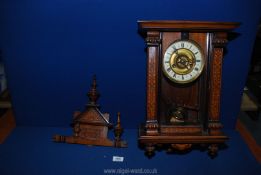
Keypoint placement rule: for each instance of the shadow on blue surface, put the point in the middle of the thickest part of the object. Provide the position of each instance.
(30, 150)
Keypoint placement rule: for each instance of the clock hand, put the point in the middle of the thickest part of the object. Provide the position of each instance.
(187, 65)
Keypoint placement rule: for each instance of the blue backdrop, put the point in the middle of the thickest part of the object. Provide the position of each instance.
(51, 48)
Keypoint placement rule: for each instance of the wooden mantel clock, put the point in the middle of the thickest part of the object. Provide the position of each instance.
(184, 67)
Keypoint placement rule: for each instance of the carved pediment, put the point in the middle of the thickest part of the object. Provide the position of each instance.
(90, 127)
(92, 115)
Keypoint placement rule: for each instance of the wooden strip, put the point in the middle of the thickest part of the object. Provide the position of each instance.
(195, 26)
(216, 75)
(7, 124)
(152, 84)
(250, 141)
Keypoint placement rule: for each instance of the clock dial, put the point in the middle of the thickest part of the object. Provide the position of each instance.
(183, 61)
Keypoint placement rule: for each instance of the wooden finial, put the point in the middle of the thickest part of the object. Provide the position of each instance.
(118, 120)
(94, 82)
(93, 94)
(118, 130)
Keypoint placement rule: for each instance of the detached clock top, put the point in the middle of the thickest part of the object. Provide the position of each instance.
(184, 67)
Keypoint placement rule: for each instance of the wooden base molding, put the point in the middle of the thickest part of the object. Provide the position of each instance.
(250, 141)
(7, 124)
(180, 141)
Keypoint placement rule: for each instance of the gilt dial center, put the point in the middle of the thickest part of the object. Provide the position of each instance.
(182, 62)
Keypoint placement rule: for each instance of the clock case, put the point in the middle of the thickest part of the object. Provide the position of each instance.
(198, 102)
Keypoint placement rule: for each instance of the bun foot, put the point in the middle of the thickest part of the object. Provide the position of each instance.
(213, 150)
(149, 150)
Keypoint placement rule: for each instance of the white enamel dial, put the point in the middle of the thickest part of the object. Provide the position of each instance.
(183, 61)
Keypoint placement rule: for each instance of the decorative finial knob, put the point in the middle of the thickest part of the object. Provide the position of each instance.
(93, 94)
(118, 120)
(118, 130)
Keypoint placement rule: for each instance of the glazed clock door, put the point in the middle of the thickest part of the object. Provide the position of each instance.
(183, 80)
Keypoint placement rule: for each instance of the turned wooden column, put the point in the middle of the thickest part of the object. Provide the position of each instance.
(219, 42)
(153, 42)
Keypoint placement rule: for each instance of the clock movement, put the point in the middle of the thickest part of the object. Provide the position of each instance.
(184, 68)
